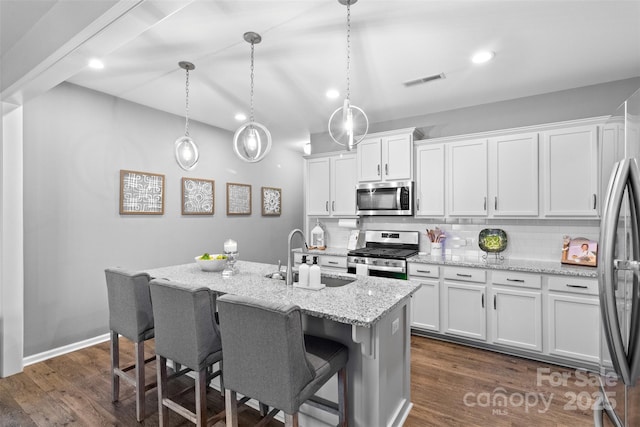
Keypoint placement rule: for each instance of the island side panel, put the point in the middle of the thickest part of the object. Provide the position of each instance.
(378, 370)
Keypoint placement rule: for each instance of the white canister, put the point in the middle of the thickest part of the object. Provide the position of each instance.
(436, 249)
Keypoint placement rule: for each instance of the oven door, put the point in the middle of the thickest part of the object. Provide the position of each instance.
(380, 270)
(385, 198)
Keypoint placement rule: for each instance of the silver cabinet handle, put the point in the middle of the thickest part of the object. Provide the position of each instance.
(495, 203)
(485, 204)
(517, 280)
(494, 302)
(482, 300)
(577, 286)
(378, 170)
(386, 169)
(333, 206)
(424, 271)
(463, 275)
(332, 262)
(326, 206)
(418, 204)
(594, 201)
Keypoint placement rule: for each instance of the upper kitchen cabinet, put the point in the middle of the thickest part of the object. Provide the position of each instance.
(513, 175)
(331, 184)
(570, 171)
(430, 184)
(467, 173)
(386, 156)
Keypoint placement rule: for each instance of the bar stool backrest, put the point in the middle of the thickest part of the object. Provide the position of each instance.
(130, 311)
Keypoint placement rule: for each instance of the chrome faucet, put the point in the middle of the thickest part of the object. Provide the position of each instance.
(289, 280)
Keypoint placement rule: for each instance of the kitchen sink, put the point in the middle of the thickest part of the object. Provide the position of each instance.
(328, 281)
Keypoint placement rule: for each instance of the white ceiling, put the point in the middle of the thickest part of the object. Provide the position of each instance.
(541, 46)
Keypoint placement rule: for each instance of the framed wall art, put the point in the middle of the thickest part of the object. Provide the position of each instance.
(141, 193)
(579, 251)
(238, 199)
(198, 196)
(271, 201)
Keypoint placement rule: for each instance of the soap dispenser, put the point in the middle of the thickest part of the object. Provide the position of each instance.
(317, 236)
(303, 272)
(314, 274)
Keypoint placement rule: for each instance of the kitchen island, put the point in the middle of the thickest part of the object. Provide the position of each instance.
(369, 315)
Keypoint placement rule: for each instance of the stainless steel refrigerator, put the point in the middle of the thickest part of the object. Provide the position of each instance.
(619, 269)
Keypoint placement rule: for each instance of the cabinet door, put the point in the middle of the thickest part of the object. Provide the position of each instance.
(343, 185)
(574, 327)
(467, 170)
(570, 171)
(318, 188)
(517, 318)
(369, 162)
(397, 157)
(465, 310)
(513, 175)
(425, 306)
(430, 188)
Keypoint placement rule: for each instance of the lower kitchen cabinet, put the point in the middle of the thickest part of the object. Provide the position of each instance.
(465, 312)
(574, 326)
(425, 305)
(517, 318)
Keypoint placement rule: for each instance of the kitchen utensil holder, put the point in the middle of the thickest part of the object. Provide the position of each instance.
(436, 249)
(230, 269)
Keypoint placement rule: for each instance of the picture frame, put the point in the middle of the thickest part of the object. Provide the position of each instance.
(198, 196)
(579, 251)
(238, 199)
(141, 193)
(271, 201)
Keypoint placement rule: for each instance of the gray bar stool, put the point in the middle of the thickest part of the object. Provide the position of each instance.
(131, 316)
(187, 333)
(269, 358)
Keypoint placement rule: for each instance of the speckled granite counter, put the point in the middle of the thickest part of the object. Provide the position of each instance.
(362, 302)
(544, 267)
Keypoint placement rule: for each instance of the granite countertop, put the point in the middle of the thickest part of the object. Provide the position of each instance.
(361, 303)
(526, 266)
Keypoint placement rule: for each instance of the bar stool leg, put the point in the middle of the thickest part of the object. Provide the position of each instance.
(201, 398)
(140, 385)
(290, 420)
(163, 411)
(115, 364)
(231, 408)
(342, 397)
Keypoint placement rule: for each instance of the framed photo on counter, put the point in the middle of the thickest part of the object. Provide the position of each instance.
(579, 251)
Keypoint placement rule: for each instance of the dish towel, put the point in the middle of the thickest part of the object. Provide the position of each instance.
(362, 270)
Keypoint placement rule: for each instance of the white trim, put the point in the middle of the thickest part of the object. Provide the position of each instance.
(49, 354)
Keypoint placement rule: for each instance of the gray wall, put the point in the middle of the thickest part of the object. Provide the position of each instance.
(75, 143)
(579, 103)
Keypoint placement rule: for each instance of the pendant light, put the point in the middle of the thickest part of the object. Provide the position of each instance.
(186, 149)
(252, 141)
(348, 121)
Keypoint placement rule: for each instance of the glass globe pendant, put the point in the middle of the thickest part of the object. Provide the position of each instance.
(348, 125)
(252, 141)
(186, 150)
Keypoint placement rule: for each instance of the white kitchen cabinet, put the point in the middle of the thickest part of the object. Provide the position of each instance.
(517, 318)
(467, 178)
(386, 156)
(331, 186)
(574, 326)
(430, 180)
(513, 175)
(465, 311)
(425, 303)
(570, 171)
(333, 263)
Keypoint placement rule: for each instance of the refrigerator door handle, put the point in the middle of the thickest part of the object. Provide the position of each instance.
(634, 333)
(608, 306)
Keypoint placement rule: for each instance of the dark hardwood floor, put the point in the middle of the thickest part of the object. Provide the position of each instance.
(451, 385)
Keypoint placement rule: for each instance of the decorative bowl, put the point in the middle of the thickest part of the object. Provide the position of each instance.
(492, 240)
(212, 264)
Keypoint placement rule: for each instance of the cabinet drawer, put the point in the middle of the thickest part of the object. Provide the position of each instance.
(465, 274)
(424, 270)
(522, 280)
(572, 284)
(333, 261)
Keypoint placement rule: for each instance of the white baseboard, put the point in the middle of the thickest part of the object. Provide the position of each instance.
(30, 360)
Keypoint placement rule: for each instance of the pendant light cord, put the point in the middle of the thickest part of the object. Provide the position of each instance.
(251, 94)
(348, 49)
(186, 115)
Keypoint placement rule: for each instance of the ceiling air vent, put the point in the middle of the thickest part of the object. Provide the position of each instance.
(424, 80)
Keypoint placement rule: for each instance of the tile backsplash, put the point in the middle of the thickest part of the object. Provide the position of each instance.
(527, 239)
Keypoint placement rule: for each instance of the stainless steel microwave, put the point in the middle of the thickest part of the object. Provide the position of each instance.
(385, 198)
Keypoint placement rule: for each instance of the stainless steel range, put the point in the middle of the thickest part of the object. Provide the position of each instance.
(385, 253)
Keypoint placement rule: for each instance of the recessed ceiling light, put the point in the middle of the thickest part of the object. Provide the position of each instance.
(96, 64)
(332, 93)
(240, 117)
(482, 57)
